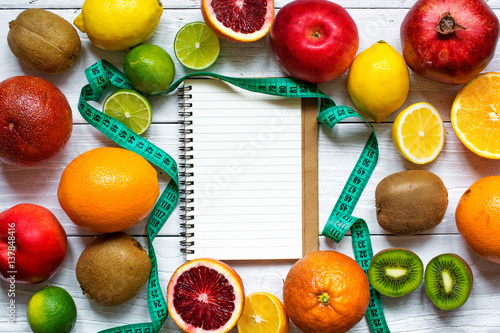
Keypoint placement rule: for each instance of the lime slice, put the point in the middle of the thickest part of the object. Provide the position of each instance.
(130, 108)
(196, 46)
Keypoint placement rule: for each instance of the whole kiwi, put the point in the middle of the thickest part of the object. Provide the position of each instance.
(43, 41)
(410, 201)
(113, 268)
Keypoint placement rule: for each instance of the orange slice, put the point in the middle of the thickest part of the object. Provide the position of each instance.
(238, 20)
(263, 313)
(475, 115)
(205, 296)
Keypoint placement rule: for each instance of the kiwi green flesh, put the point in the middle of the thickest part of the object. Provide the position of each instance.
(396, 272)
(448, 281)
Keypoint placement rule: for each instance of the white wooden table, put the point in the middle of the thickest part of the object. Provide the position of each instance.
(338, 152)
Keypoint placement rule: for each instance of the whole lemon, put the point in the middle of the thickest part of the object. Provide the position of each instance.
(119, 24)
(378, 81)
(108, 189)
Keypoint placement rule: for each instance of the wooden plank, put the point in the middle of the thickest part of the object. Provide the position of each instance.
(404, 314)
(182, 4)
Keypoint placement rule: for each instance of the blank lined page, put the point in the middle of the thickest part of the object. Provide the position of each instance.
(247, 173)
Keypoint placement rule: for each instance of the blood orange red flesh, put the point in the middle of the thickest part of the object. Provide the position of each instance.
(205, 295)
(238, 20)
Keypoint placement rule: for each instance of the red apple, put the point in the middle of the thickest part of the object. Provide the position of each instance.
(314, 40)
(32, 244)
(449, 41)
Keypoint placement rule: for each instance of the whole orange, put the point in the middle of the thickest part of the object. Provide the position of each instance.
(35, 120)
(326, 291)
(478, 217)
(108, 189)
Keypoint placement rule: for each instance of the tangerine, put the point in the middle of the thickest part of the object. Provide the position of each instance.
(108, 189)
(478, 217)
(326, 292)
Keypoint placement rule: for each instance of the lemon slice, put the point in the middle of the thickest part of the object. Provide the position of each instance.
(264, 313)
(196, 46)
(418, 133)
(130, 108)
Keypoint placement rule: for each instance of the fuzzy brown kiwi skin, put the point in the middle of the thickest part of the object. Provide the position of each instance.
(44, 41)
(113, 268)
(411, 201)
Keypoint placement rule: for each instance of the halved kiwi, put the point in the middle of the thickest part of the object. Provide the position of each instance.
(448, 281)
(395, 272)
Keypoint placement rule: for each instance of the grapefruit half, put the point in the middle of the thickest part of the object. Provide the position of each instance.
(238, 21)
(205, 295)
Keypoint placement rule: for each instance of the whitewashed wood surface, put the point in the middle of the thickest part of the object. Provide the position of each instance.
(338, 152)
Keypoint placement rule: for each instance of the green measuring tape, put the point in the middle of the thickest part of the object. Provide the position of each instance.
(103, 75)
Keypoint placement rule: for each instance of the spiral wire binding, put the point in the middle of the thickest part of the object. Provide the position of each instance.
(184, 174)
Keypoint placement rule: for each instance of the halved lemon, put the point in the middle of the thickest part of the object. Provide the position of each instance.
(263, 313)
(475, 115)
(418, 133)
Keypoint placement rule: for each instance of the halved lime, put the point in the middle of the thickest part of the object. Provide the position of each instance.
(130, 108)
(196, 46)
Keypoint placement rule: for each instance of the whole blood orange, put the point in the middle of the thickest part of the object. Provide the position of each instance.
(478, 217)
(108, 189)
(35, 120)
(205, 295)
(326, 292)
(238, 20)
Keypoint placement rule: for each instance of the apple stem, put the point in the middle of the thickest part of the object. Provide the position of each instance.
(448, 25)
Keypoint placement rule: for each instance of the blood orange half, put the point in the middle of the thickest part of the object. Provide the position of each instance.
(205, 295)
(238, 20)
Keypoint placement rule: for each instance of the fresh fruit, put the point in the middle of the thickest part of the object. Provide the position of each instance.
(478, 217)
(378, 81)
(35, 120)
(51, 310)
(205, 295)
(264, 313)
(449, 41)
(448, 281)
(314, 40)
(119, 24)
(33, 244)
(326, 292)
(43, 41)
(395, 272)
(196, 46)
(238, 21)
(410, 201)
(418, 133)
(108, 189)
(475, 116)
(113, 268)
(149, 68)
(130, 108)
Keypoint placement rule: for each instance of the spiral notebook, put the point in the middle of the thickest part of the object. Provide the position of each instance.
(249, 173)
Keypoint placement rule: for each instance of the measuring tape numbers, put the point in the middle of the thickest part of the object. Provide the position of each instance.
(103, 75)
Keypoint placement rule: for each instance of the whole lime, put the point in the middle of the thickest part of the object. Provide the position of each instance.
(51, 310)
(149, 68)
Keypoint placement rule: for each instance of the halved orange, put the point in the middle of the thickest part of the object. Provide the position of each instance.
(238, 20)
(205, 296)
(263, 313)
(475, 115)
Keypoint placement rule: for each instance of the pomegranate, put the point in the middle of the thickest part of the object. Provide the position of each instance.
(449, 41)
